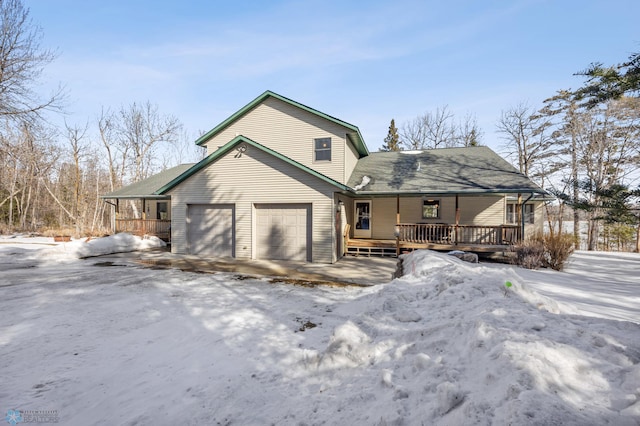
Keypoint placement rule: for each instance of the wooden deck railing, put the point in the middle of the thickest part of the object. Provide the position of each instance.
(158, 227)
(426, 233)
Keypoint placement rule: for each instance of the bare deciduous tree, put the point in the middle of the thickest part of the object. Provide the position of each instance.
(527, 138)
(431, 130)
(468, 133)
(142, 129)
(439, 130)
(21, 63)
(76, 136)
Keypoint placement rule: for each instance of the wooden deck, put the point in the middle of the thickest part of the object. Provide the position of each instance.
(441, 237)
(370, 247)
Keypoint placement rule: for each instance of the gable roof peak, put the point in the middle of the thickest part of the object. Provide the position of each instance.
(353, 132)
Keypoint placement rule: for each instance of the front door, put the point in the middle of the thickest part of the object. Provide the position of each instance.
(363, 219)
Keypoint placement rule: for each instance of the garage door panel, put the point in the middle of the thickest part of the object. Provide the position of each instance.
(283, 231)
(211, 230)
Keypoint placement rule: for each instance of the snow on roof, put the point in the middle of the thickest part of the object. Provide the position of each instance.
(362, 184)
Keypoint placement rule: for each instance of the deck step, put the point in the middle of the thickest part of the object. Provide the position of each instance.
(371, 251)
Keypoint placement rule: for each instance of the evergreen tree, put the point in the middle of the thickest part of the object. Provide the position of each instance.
(606, 83)
(392, 141)
(616, 204)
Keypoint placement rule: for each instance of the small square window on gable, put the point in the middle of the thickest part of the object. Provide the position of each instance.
(430, 209)
(322, 149)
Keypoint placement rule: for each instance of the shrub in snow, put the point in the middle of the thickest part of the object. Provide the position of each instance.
(558, 248)
(529, 254)
(544, 250)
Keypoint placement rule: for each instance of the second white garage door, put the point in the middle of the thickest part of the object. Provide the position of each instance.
(283, 231)
(210, 229)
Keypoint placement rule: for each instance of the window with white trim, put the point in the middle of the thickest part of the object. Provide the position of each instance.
(322, 149)
(512, 211)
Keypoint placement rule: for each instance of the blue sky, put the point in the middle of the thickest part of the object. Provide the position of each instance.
(363, 62)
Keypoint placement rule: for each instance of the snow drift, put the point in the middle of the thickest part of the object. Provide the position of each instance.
(83, 248)
(446, 344)
(452, 344)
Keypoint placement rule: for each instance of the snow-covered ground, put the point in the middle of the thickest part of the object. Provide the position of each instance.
(448, 344)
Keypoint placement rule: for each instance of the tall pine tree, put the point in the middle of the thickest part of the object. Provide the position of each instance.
(392, 141)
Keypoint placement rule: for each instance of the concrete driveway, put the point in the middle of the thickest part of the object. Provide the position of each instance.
(349, 270)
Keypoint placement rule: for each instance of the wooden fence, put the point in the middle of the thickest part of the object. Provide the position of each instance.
(161, 228)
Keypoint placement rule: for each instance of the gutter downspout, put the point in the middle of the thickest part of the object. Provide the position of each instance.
(457, 219)
(397, 228)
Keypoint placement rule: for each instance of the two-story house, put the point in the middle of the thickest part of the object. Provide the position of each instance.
(285, 181)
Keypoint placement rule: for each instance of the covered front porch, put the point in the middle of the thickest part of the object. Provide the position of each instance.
(388, 226)
(140, 210)
(143, 216)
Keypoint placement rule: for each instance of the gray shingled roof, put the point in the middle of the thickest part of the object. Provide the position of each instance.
(147, 188)
(440, 171)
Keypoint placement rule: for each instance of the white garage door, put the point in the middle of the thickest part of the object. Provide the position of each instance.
(283, 231)
(210, 230)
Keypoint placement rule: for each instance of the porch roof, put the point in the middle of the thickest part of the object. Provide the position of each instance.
(472, 170)
(148, 188)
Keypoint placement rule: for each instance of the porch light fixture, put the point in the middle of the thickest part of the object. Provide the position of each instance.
(396, 231)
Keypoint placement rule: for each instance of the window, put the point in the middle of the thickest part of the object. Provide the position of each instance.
(430, 209)
(162, 210)
(512, 211)
(322, 149)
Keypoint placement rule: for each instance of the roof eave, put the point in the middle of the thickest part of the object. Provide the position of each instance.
(135, 197)
(460, 192)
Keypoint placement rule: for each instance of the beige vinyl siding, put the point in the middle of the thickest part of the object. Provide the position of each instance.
(539, 217)
(350, 160)
(255, 177)
(538, 221)
(383, 218)
(482, 210)
(290, 131)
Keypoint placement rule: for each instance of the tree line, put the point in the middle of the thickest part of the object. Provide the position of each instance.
(53, 176)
